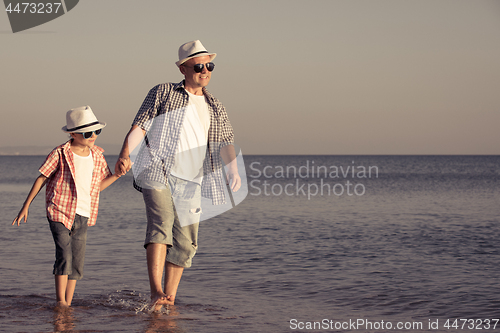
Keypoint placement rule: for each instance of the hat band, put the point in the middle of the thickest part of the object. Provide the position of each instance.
(192, 55)
(83, 126)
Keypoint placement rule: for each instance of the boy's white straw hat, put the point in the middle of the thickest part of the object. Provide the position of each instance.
(191, 50)
(82, 119)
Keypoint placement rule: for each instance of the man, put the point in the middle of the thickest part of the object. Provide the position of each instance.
(182, 130)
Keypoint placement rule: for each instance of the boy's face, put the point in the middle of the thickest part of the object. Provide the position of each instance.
(80, 140)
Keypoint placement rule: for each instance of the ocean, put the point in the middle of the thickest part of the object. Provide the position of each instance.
(319, 244)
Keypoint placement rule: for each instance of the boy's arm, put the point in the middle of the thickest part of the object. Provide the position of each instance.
(108, 181)
(37, 186)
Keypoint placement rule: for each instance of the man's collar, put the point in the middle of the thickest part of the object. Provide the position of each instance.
(180, 85)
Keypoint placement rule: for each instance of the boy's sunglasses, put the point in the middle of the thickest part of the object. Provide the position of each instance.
(198, 68)
(88, 135)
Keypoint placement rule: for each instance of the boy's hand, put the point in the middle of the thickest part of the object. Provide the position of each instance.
(118, 172)
(22, 214)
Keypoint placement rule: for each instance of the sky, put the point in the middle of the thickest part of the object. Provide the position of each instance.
(296, 77)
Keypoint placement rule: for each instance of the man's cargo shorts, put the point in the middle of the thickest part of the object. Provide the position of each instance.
(173, 214)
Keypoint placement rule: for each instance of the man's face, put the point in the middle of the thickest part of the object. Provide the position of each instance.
(193, 79)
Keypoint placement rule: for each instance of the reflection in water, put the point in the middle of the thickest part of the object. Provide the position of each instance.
(164, 321)
(63, 319)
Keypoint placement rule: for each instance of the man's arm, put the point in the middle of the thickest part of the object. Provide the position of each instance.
(229, 157)
(132, 140)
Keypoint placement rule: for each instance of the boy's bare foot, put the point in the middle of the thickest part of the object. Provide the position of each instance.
(62, 305)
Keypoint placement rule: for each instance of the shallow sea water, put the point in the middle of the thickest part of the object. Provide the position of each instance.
(419, 246)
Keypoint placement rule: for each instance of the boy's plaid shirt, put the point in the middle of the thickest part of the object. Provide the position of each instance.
(60, 195)
(161, 116)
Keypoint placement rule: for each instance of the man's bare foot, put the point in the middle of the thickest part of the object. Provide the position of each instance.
(171, 298)
(159, 300)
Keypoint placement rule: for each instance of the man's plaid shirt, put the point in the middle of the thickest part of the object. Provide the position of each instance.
(60, 195)
(161, 116)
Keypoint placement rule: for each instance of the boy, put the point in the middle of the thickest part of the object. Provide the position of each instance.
(75, 173)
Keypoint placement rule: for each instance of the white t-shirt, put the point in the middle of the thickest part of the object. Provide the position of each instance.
(193, 140)
(84, 167)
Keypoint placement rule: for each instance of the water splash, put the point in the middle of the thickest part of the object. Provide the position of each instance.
(134, 301)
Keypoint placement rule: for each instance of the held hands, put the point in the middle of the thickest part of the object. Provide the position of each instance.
(123, 165)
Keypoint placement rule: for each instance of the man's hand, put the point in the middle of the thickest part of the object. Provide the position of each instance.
(234, 180)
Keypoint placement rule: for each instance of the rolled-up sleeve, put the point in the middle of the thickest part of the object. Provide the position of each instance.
(149, 109)
(51, 163)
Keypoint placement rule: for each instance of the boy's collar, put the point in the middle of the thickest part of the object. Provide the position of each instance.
(94, 149)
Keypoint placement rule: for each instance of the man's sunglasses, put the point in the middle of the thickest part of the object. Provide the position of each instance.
(88, 135)
(198, 68)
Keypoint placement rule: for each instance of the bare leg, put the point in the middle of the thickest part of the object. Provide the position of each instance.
(70, 290)
(65, 289)
(61, 285)
(173, 274)
(155, 254)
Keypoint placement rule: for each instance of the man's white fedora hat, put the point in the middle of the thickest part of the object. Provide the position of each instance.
(81, 120)
(191, 50)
